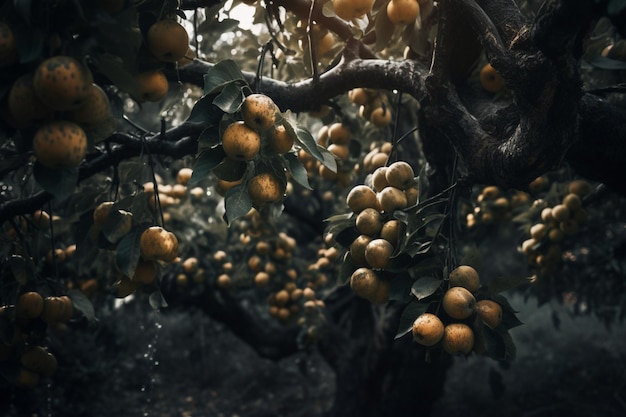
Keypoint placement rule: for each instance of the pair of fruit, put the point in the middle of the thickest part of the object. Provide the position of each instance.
(374, 106)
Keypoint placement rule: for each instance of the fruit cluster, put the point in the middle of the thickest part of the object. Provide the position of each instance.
(452, 326)
(495, 206)
(377, 157)
(374, 106)
(557, 223)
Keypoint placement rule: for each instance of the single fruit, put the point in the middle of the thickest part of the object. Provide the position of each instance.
(240, 142)
(360, 198)
(379, 179)
(391, 199)
(393, 231)
(458, 303)
(403, 12)
(381, 117)
(53, 310)
(369, 222)
(560, 212)
(25, 107)
(145, 272)
(489, 312)
(9, 54)
(41, 219)
(184, 175)
(339, 134)
(39, 360)
(351, 9)
(364, 282)
(427, 329)
(62, 83)
(265, 188)
(167, 40)
(29, 305)
(102, 212)
(490, 79)
(95, 110)
(157, 243)
(458, 338)
(60, 144)
(573, 202)
(378, 252)
(151, 85)
(400, 175)
(261, 279)
(190, 265)
(465, 276)
(259, 112)
(579, 187)
(538, 231)
(340, 151)
(279, 140)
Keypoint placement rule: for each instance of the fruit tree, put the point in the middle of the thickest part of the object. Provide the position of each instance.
(368, 181)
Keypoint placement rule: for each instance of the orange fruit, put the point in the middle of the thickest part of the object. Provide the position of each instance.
(379, 179)
(259, 112)
(458, 303)
(95, 110)
(102, 212)
(152, 85)
(62, 83)
(400, 175)
(167, 40)
(156, 243)
(579, 187)
(392, 231)
(359, 96)
(357, 250)
(458, 338)
(184, 175)
(190, 265)
(427, 329)
(560, 212)
(361, 197)
(381, 117)
(378, 252)
(60, 144)
(29, 305)
(261, 279)
(538, 231)
(279, 140)
(490, 79)
(241, 142)
(403, 12)
(25, 107)
(391, 199)
(265, 188)
(489, 312)
(38, 359)
(465, 276)
(351, 9)
(340, 151)
(412, 195)
(369, 222)
(145, 272)
(68, 308)
(572, 201)
(224, 281)
(41, 219)
(364, 282)
(339, 134)
(53, 310)
(9, 54)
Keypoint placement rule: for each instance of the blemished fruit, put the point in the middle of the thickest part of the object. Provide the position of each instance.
(391, 199)
(458, 303)
(265, 188)
(403, 12)
(427, 329)
(279, 140)
(458, 339)
(378, 252)
(25, 107)
(94, 110)
(151, 85)
(364, 282)
(259, 112)
(158, 244)
(29, 305)
(351, 9)
(167, 40)
(464, 276)
(369, 222)
(60, 144)
(9, 54)
(490, 79)
(38, 359)
(489, 312)
(400, 175)
(241, 142)
(62, 83)
(360, 198)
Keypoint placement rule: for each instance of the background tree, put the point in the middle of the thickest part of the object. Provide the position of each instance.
(313, 181)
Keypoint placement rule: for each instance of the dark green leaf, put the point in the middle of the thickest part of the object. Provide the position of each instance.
(114, 69)
(230, 98)
(157, 300)
(346, 236)
(338, 217)
(23, 269)
(117, 225)
(425, 287)
(128, 251)
(606, 63)
(473, 258)
(304, 139)
(345, 270)
(400, 288)
(412, 311)
(237, 203)
(205, 111)
(230, 170)
(208, 159)
(209, 138)
(297, 170)
(221, 74)
(328, 159)
(59, 182)
(82, 303)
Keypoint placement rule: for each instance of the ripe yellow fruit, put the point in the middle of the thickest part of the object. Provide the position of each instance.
(490, 79)
(458, 339)
(465, 276)
(184, 175)
(369, 222)
(25, 107)
(259, 112)
(351, 9)
(241, 142)
(156, 243)
(364, 282)
(360, 198)
(340, 151)
(573, 202)
(279, 140)
(378, 253)
(152, 85)
(403, 12)
(427, 329)
(393, 231)
(357, 250)
(400, 175)
(60, 144)
(489, 312)
(62, 83)
(9, 54)
(579, 187)
(95, 110)
(379, 179)
(339, 134)
(359, 96)
(29, 305)
(381, 117)
(224, 281)
(261, 279)
(391, 198)
(265, 188)
(53, 310)
(560, 212)
(38, 359)
(167, 40)
(458, 303)
(538, 231)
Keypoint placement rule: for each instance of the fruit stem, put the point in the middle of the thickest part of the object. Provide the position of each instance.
(52, 243)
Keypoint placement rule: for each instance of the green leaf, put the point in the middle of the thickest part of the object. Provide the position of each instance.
(209, 138)
(473, 258)
(128, 251)
(208, 159)
(297, 170)
(328, 159)
(425, 287)
(82, 304)
(237, 203)
(346, 236)
(412, 311)
(509, 320)
(345, 270)
(117, 225)
(230, 170)
(304, 139)
(114, 69)
(230, 98)
(157, 300)
(59, 182)
(23, 269)
(205, 111)
(400, 288)
(221, 74)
